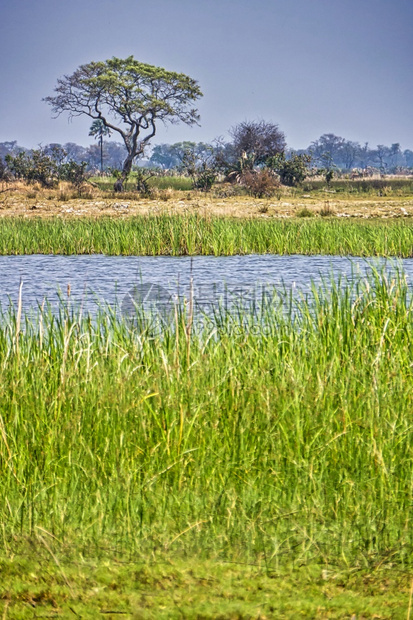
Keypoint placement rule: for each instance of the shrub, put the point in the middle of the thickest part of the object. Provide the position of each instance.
(202, 168)
(165, 194)
(305, 212)
(292, 171)
(39, 166)
(260, 183)
(34, 167)
(74, 173)
(327, 210)
(142, 182)
(228, 190)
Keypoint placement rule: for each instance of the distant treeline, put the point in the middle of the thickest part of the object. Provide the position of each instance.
(329, 151)
(113, 153)
(326, 152)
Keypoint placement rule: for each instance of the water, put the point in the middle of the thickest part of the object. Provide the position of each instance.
(98, 280)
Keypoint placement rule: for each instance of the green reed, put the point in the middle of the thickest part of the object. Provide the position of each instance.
(280, 435)
(191, 235)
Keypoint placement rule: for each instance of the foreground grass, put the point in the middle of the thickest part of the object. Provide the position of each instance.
(182, 235)
(36, 586)
(227, 467)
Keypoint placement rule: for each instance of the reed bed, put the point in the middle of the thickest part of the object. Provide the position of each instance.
(190, 235)
(284, 436)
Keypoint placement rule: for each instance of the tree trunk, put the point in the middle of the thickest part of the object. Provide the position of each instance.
(127, 167)
(101, 154)
(126, 170)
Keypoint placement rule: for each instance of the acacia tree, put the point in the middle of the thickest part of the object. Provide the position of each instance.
(129, 97)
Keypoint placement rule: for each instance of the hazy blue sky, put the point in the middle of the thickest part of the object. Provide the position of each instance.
(312, 66)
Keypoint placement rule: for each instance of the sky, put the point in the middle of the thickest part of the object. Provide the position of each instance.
(310, 66)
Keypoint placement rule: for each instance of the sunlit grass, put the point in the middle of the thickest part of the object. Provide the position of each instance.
(287, 435)
(34, 585)
(258, 465)
(191, 235)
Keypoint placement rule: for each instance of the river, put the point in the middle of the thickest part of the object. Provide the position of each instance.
(90, 281)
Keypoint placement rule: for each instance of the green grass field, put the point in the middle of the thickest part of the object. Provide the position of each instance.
(191, 235)
(389, 186)
(69, 585)
(181, 183)
(258, 468)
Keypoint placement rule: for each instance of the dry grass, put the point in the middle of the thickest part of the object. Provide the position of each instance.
(27, 201)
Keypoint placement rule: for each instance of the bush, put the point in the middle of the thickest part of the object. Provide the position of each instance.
(142, 182)
(260, 183)
(34, 167)
(39, 166)
(305, 212)
(73, 173)
(292, 171)
(327, 210)
(203, 168)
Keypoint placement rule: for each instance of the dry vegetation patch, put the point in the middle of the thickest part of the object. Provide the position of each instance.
(18, 199)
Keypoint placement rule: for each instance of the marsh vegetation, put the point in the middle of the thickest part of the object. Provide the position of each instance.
(177, 235)
(271, 440)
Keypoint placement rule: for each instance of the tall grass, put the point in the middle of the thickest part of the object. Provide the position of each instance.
(389, 185)
(181, 235)
(283, 437)
(160, 182)
(366, 187)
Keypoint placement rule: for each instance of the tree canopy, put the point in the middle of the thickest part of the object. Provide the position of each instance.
(257, 140)
(129, 97)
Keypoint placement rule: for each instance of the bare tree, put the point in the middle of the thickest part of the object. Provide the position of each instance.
(257, 140)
